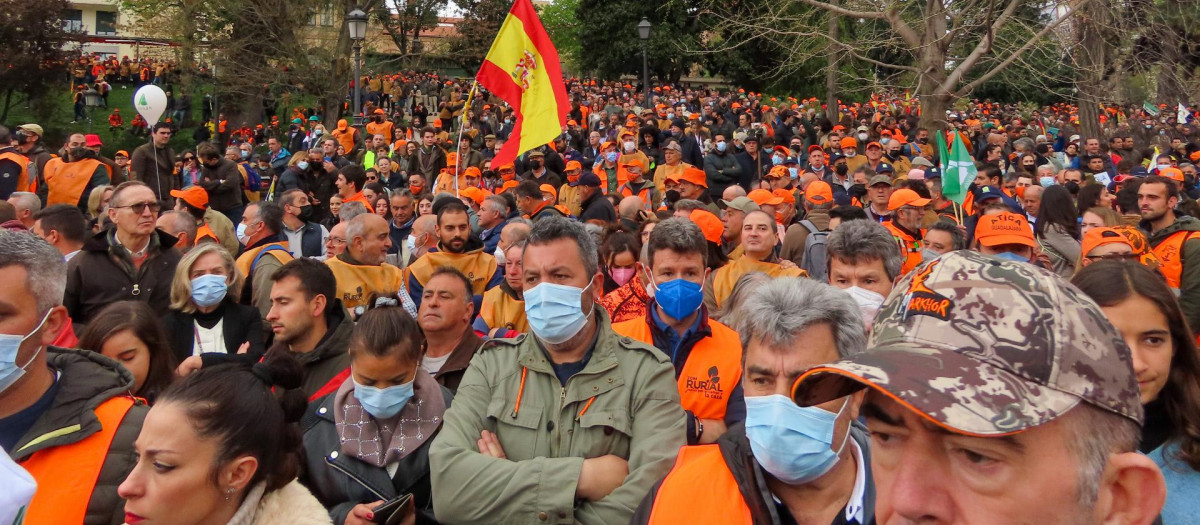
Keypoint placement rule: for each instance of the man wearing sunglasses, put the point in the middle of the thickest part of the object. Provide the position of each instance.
(132, 261)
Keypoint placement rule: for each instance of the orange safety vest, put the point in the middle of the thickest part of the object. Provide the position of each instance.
(1170, 255)
(477, 266)
(67, 474)
(500, 310)
(726, 276)
(66, 181)
(711, 372)
(700, 484)
(359, 197)
(246, 263)
(910, 248)
(645, 194)
(23, 162)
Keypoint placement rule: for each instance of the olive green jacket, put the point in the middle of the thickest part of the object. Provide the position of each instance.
(635, 415)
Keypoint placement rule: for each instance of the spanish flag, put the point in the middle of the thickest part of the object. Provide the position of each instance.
(522, 68)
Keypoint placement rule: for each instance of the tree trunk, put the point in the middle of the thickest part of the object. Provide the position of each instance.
(7, 104)
(1093, 59)
(831, 74)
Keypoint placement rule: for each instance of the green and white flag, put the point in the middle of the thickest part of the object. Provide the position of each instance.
(958, 169)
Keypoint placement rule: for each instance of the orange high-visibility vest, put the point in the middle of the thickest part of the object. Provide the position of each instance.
(910, 248)
(67, 474)
(1170, 255)
(23, 162)
(66, 181)
(726, 276)
(700, 484)
(712, 370)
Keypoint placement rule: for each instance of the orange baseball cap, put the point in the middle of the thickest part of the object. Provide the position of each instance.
(195, 196)
(849, 142)
(573, 165)
(472, 171)
(508, 184)
(121, 153)
(709, 224)
(473, 193)
(632, 161)
(693, 175)
(874, 145)
(451, 159)
(1174, 174)
(839, 127)
(815, 147)
(786, 195)
(818, 192)
(905, 197)
(1097, 237)
(546, 188)
(1004, 228)
(763, 197)
(777, 172)
(509, 166)
(342, 125)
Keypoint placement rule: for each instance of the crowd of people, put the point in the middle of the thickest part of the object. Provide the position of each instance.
(715, 305)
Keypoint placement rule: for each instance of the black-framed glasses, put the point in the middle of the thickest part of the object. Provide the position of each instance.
(140, 208)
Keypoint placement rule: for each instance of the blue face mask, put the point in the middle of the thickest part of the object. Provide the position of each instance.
(10, 346)
(929, 255)
(245, 154)
(1010, 256)
(303, 165)
(776, 160)
(383, 403)
(679, 298)
(209, 290)
(793, 443)
(611, 156)
(555, 311)
(1046, 181)
(721, 146)
(793, 172)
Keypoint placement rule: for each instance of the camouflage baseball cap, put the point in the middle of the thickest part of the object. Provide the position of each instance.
(986, 347)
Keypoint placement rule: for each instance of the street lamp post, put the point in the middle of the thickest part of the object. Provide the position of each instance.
(643, 28)
(91, 99)
(356, 21)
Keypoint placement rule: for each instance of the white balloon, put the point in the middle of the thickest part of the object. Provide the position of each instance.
(150, 101)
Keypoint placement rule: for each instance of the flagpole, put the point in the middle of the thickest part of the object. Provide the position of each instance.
(461, 125)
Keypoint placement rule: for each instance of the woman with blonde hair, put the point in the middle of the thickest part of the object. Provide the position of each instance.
(205, 316)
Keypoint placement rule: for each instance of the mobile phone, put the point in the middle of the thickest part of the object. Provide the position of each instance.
(392, 512)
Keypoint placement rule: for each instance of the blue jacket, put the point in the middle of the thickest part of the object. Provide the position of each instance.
(491, 238)
(1183, 484)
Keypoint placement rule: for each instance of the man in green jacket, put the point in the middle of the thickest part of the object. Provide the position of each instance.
(571, 424)
(1175, 239)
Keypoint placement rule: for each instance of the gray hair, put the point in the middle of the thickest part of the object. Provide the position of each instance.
(24, 200)
(356, 227)
(777, 313)
(688, 205)
(730, 311)
(496, 203)
(678, 235)
(552, 229)
(863, 240)
(45, 268)
(351, 209)
(181, 222)
(1092, 435)
(521, 220)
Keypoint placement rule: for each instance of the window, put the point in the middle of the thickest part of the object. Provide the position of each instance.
(72, 20)
(323, 17)
(106, 22)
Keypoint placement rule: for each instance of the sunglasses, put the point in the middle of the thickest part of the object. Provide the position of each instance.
(140, 207)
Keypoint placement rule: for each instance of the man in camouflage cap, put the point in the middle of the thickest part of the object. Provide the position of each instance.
(998, 393)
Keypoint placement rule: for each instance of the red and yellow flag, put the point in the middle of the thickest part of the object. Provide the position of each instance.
(522, 68)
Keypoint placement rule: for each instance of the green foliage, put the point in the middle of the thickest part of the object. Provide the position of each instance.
(559, 19)
(34, 54)
(609, 33)
(477, 31)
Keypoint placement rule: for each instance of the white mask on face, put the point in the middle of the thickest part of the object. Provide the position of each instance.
(501, 259)
(868, 303)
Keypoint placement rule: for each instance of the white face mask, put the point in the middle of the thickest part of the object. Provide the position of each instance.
(862, 137)
(629, 145)
(868, 303)
(500, 257)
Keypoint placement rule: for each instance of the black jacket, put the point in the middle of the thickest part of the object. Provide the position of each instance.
(341, 482)
(597, 208)
(239, 324)
(102, 273)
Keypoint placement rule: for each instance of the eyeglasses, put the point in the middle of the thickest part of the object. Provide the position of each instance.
(140, 207)
(335, 240)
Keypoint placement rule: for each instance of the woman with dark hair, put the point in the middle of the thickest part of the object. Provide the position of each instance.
(649, 144)
(619, 257)
(1093, 196)
(1057, 230)
(383, 207)
(130, 333)
(368, 443)
(1138, 302)
(221, 446)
